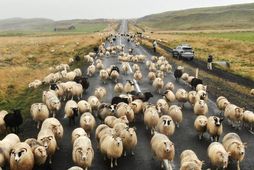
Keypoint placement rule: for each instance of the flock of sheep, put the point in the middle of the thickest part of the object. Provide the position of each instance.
(115, 134)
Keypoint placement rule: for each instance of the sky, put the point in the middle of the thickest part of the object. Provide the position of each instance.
(91, 9)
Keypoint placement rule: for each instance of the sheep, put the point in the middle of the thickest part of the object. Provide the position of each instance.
(48, 79)
(6, 144)
(94, 102)
(76, 133)
(162, 148)
(47, 139)
(83, 81)
(125, 67)
(200, 125)
(53, 104)
(118, 89)
(39, 151)
(84, 106)
(252, 92)
(190, 79)
(218, 155)
(112, 147)
(136, 106)
(103, 75)
(201, 87)
(234, 115)
(87, 122)
(83, 153)
(75, 168)
(70, 75)
(39, 113)
(185, 76)
(158, 84)
(71, 111)
(195, 81)
(124, 109)
(165, 125)
(99, 66)
(114, 75)
(175, 112)
(35, 84)
(138, 75)
(78, 72)
(154, 58)
(189, 160)
(100, 93)
(181, 96)
(135, 67)
(112, 120)
(169, 96)
(160, 74)
(152, 68)
(200, 108)
(248, 118)
(178, 72)
(91, 70)
(76, 90)
(151, 118)
(129, 86)
(46, 95)
(13, 120)
(162, 106)
(214, 127)
(192, 97)
(144, 97)
(21, 157)
(2, 123)
(105, 110)
(129, 138)
(201, 95)
(151, 76)
(222, 103)
(101, 130)
(169, 86)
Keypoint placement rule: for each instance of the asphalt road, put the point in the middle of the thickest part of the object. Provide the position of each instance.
(185, 136)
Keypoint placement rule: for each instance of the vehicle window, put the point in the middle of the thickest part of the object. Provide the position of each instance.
(187, 49)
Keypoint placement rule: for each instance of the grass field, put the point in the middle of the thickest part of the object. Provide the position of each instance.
(26, 58)
(240, 36)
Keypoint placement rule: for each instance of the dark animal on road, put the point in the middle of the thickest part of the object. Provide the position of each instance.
(115, 100)
(83, 81)
(53, 86)
(96, 49)
(142, 96)
(195, 82)
(77, 58)
(13, 120)
(114, 68)
(72, 119)
(178, 73)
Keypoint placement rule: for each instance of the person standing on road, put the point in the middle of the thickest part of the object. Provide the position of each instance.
(209, 62)
(154, 46)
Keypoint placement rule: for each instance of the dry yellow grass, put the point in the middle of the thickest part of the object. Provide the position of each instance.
(24, 59)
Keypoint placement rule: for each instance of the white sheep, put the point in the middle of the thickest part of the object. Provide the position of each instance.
(114, 75)
(201, 95)
(138, 75)
(190, 79)
(137, 106)
(35, 84)
(135, 67)
(2, 122)
(181, 96)
(99, 66)
(21, 157)
(125, 67)
(118, 89)
(234, 145)
(252, 92)
(75, 168)
(214, 127)
(76, 90)
(53, 104)
(158, 84)
(100, 93)
(200, 125)
(71, 110)
(162, 148)
(169, 86)
(248, 119)
(200, 108)
(112, 147)
(201, 87)
(189, 160)
(91, 70)
(84, 106)
(151, 118)
(185, 76)
(70, 76)
(175, 112)
(101, 130)
(151, 76)
(76, 133)
(6, 144)
(162, 106)
(78, 72)
(47, 139)
(192, 97)
(94, 103)
(169, 96)
(129, 86)
(234, 115)
(87, 122)
(165, 125)
(222, 102)
(218, 155)
(124, 109)
(104, 75)
(83, 153)
(112, 120)
(39, 113)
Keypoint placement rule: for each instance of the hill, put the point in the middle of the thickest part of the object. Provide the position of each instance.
(223, 17)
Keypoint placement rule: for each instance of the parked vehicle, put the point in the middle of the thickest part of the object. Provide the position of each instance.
(183, 51)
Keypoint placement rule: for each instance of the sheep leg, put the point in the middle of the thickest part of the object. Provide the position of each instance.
(38, 124)
(115, 161)
(132, 153)
(177, 125)
(111, 163)
(50, 161)
(146, 127)
(162, 166)
(238, 165)
(124, 153)
(200, 136)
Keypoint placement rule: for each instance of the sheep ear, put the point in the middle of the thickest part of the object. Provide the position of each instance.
(245, 144)
(214, 118)
(134, 127)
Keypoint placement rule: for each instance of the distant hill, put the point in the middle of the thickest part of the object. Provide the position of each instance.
(47, 25)
(223, 17)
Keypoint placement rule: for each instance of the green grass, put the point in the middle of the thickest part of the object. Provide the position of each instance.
(241, 36)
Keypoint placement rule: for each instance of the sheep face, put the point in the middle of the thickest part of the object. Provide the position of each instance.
(75, 111)
(218, 121)
(40, 154)
(56, 104)
(168, 146)
(223, 158)
(83, 154)
(46, 141)
(118, 141)
(239, 151)
(17, 154)
(57, 130)
(239, 112)
(203, 122)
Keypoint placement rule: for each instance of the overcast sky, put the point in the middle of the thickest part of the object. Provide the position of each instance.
(90, 9)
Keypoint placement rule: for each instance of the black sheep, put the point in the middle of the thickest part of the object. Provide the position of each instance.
(195, 82)
(83, 81)
(114, 68)
(13, 120)
(178, 74)
(72, 119)
(53, 86)
(77, 58)
(115, 100)
(142, 96)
